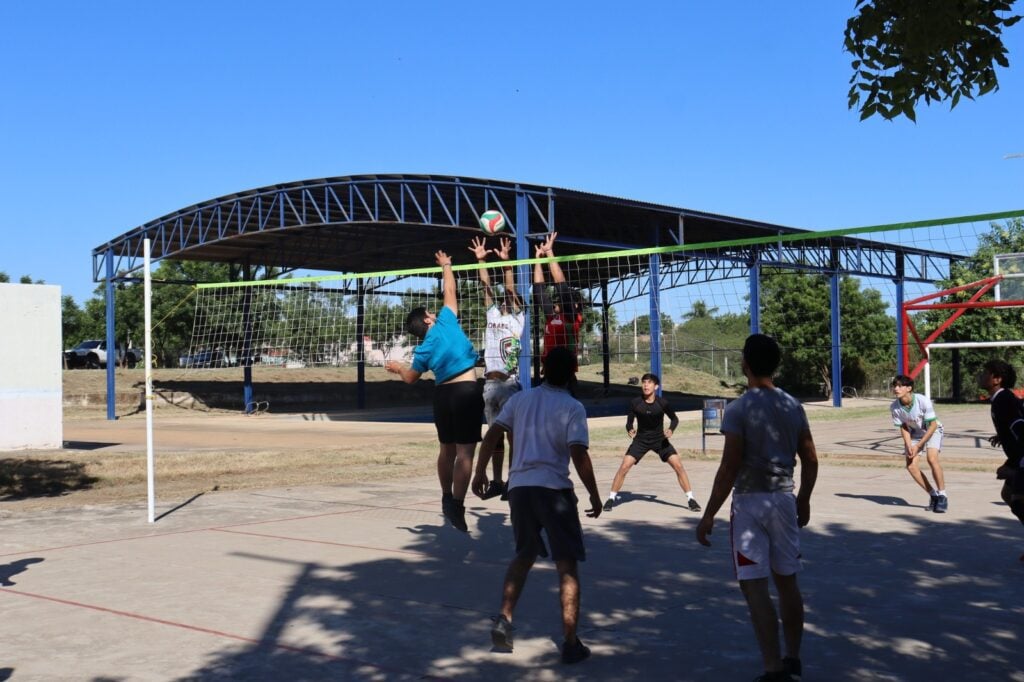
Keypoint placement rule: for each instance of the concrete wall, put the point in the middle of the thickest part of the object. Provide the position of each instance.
(30, 367)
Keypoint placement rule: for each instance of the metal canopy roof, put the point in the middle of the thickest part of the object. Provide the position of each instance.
(372, 223)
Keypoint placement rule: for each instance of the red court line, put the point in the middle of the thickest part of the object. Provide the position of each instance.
(201, 530)
(227, 529)
(217, 633)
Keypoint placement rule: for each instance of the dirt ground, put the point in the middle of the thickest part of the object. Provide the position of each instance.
(199, 448)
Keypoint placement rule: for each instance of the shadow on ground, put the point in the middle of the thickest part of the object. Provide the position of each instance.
(21, 478)
(935, 601)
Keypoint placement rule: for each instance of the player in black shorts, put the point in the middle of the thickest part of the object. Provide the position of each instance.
(649, 411)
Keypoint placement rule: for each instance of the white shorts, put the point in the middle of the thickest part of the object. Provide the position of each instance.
(496, 392)
(765, 535)
(935, 442)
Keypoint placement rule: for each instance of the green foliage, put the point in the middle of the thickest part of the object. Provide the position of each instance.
(4, 278)
(795, 310)
(643, 324)
(936, 50)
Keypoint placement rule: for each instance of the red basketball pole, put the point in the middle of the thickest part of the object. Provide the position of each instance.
(983, 286)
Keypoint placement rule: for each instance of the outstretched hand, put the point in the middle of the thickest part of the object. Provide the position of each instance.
(549, 244)
(504, 246)
(442, 258)
(478, 247)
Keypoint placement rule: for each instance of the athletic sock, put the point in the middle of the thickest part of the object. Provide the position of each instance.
(941, 493)
(613, 495)
(689, 495)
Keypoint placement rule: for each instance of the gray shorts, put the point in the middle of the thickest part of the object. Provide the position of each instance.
(496, 392)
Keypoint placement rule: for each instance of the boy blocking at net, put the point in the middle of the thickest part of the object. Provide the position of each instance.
(550, 429)
(922, 432)
(445, 350)
(501, 348)
(766, 430)
(998, 378)
(649, 412)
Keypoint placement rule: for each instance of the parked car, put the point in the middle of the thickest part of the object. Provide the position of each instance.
(92, 354)
(206, 357)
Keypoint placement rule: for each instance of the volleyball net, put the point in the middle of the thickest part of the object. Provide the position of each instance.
(689, 303)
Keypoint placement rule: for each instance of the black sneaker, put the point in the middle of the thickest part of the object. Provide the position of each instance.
(931, 502)
(501, 634)
(494, 488)
(457, 516)
(941, 504)
(575, 652)
(446, 504)
(504, 491)
(793, 667)
(609, 504)
(693, 505)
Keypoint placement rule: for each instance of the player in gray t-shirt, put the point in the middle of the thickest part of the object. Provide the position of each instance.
(765, 431)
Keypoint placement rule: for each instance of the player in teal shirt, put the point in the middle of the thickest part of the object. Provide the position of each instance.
(445, 350)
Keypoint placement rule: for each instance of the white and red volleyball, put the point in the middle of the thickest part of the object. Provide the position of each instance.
(492, 222)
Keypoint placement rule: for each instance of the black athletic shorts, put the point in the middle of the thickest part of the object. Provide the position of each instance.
(641, 446)
(554, 511)
(459, 412)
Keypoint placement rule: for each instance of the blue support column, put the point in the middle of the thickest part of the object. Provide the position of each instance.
(755, 294)
(111, 341)
(655, 307)
(248, 401)
(523, 282)
(901, 336)
(837, 343)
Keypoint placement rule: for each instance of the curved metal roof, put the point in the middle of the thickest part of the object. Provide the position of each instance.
(364, 223)
(374, 223)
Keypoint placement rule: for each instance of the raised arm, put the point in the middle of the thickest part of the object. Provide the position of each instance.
(505, 245)
(451, 297)
(557, 276)
(479, 249)
(540, 293)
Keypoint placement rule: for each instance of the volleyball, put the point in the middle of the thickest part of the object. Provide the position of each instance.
(492, 222)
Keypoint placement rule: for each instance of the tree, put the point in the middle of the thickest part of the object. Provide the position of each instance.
(4, 278)
(795, 310)
(936, 50)
(700, 310)
(643, 324)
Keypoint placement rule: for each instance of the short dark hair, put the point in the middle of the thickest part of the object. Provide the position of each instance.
(901, 380)
(651, 377)
(1003, 370)
(762, 355)
(415, 322)
(558, 364)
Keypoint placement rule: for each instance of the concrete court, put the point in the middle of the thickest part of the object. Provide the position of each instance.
(364, 582)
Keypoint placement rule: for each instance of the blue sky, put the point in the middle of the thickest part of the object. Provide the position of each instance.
(115, 113)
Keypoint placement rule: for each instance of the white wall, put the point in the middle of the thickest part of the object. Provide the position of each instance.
(30, 367)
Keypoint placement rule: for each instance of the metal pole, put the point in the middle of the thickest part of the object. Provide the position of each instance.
(147, 295)
(111, 342)
(837, 356)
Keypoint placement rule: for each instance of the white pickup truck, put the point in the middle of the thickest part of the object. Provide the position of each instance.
(92, 354)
